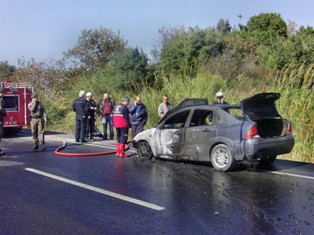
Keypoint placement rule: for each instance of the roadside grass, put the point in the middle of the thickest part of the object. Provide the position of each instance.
(297, 104)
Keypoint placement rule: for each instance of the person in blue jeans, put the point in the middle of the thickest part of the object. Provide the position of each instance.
(106, 107)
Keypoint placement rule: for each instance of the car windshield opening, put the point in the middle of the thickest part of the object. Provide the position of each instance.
(178, 120)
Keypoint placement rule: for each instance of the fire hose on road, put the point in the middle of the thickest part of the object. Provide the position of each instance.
(64, 145)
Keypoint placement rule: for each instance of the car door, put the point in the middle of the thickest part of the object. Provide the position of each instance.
(199, 133)
(170, 135)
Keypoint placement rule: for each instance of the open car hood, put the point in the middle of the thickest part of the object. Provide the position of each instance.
(260, 106)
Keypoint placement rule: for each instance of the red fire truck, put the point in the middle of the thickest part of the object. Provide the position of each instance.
(16, 96)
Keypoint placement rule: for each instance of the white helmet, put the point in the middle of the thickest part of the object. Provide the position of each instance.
(88, 94)
(219, 94)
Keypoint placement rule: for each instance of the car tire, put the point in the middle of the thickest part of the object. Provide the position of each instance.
(222, 159)
(144, 150)
(267, 159)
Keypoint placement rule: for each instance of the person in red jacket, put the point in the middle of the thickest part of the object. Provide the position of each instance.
(121, 121)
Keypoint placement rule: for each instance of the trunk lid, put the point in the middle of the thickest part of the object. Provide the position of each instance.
(262, 110)
(260, 106)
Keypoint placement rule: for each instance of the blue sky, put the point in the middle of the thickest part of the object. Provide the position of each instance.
(41, 29)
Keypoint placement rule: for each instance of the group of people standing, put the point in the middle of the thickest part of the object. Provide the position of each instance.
(86, 108)
(122, 116)
(84, 114)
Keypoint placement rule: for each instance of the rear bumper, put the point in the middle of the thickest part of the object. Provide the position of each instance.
(259, 147)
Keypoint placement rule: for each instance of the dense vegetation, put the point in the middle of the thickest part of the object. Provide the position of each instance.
(266, 55)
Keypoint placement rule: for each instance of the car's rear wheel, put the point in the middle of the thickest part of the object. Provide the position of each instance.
(222, 159)
(268, 159)
(144, 150)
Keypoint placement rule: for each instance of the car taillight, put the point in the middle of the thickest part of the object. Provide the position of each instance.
(251, 133)
(289, 128)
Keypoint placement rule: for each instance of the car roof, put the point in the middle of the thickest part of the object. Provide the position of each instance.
(261, 99)
(191, 103)
(188, 102)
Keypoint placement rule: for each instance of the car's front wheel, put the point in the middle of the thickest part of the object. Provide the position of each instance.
(267, 159)
(222, 159)
(144, 150)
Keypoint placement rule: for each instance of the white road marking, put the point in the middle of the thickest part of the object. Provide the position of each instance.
(98, 190)
(290, 174)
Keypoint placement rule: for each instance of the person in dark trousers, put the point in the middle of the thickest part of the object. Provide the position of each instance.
(220, 100)
(138, 116)
(38, 121)
(106, 107)
(80, 106)
(90, 129)
(2, 115)
(121, 121)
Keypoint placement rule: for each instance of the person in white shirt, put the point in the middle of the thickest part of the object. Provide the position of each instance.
(164, 107)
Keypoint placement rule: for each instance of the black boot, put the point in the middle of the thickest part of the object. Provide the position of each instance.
(1, 153)
(35, 146)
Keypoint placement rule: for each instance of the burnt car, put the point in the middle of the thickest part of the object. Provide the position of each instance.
(222, 135)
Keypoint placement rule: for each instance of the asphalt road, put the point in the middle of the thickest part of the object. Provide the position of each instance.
(42, 193)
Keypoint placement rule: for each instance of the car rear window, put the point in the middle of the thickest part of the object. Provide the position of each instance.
(236, 112)
(202, 118)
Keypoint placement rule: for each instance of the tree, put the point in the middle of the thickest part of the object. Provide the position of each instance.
(95, 47)
(166, 36)
(185, 53)
(303, 42)
(223, 26)
(297, 48)
(292, 27)
(241, 47)
(268, 22)
(266, 27)
(47, 77)
(6, 70)
(129, 68)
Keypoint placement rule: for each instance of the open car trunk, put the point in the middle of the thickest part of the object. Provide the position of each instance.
(261, 109)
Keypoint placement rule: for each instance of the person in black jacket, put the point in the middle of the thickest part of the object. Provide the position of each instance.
(90, 129)
(80, 106)
(220, 101)
(138, 116)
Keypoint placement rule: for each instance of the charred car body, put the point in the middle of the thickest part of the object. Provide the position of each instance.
(222, 135)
